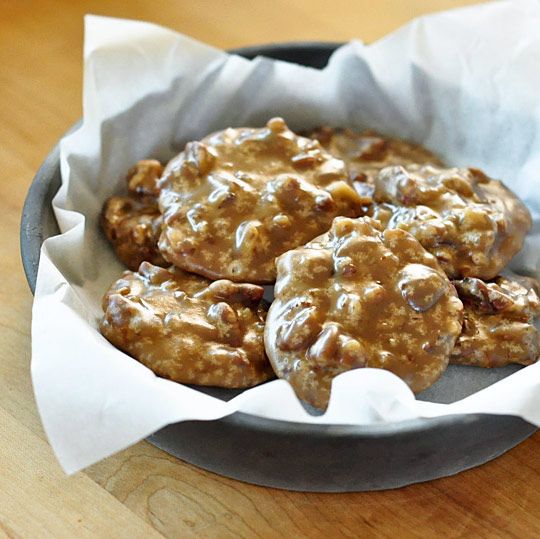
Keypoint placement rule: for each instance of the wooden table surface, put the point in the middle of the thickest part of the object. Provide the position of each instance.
(142, 492)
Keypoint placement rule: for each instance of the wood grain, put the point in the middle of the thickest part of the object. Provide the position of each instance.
(142, 492)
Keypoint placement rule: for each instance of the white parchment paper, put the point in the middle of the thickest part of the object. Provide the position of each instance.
(465, 83)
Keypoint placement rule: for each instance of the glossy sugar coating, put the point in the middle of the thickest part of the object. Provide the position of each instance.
(366, 153)
(498, 326)
(473, 224)
(133, 223)
(240, 197)
(360, 297)
(188, 329)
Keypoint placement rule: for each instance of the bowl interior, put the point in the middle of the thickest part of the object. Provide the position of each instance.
(38, 223)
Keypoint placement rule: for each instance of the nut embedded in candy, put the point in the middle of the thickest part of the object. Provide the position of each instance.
(143, 178)
(133, 223)
(498, 322)
(360, 297)
(187, 329)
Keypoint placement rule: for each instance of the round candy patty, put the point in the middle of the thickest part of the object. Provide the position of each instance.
(187, 329)
(240, 197)
(473, 225)
(360, 297)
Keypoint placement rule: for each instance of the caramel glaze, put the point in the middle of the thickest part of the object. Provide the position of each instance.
(240, 197)
(364, 294)
(498, 326)
(360, 297)
(473, 224)
(132, 223)
(366, 153)
(188, 329)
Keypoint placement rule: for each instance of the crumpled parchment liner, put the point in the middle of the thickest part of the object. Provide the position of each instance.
(458, 82)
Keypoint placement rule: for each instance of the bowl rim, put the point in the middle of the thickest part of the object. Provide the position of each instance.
(31, 239)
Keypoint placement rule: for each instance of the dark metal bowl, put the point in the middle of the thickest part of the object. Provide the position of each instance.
(297, 456)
